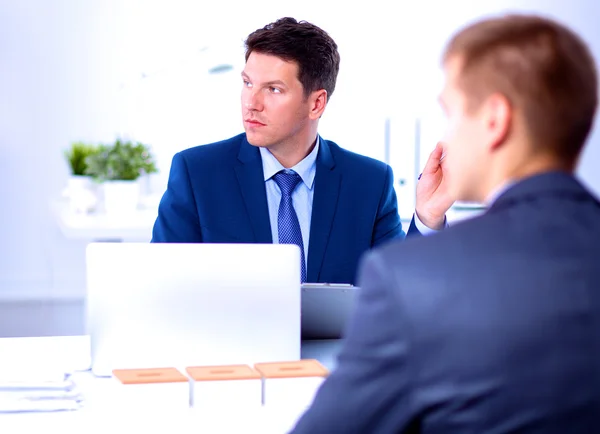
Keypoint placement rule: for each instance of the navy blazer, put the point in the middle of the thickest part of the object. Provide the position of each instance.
(490, 326)
(216, 194)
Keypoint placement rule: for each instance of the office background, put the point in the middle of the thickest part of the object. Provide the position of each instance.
(95, 70)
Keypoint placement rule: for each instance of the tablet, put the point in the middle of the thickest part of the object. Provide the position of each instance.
(326, 309)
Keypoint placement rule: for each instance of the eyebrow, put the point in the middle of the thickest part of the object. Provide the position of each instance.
(268, 83)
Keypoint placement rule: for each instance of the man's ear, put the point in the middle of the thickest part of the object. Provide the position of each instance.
(318, 102)
(498, 117)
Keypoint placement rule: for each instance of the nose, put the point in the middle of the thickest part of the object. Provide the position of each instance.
(251, 100)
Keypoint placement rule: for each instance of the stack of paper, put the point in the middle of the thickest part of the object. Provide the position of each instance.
(38, 392)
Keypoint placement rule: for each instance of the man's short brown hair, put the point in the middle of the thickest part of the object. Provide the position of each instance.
(315, 52)
(545, 70)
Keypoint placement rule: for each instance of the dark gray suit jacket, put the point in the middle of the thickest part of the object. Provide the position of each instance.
(492, 326)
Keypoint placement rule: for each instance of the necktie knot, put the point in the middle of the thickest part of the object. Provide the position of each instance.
(287, 181)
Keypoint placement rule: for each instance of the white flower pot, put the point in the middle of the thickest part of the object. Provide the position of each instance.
(79, 182)
(121, 197)
(80, 193)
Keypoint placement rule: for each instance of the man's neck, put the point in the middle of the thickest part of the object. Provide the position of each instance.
(290, 154)
(518, 172)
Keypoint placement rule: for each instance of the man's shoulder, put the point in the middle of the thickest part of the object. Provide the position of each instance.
(215, 151)
(462, 244)
(353, 160)
(429, 274)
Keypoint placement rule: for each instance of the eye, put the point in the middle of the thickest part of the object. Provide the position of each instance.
(247, 83)
(274, 90)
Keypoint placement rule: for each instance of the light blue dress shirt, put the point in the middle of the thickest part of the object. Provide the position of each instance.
(495, 194)
(302, 197)
(425, 230)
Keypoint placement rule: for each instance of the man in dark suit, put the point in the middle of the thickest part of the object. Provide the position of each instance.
(492, 325)
(280, 181)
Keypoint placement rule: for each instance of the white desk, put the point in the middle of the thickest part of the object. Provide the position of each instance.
(137, 226)
(458, 213)
(99, 226)
(73, 353)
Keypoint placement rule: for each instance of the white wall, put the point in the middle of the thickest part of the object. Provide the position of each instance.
(54, 85)
(62, 63)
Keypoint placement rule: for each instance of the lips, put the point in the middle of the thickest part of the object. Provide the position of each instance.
(253, 123)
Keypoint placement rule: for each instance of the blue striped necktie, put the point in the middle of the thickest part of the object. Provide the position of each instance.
(288, 226)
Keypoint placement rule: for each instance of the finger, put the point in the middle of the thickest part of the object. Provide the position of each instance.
(433, 162)
(443, 146)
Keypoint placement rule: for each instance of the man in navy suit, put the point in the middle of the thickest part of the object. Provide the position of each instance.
(281, 181)
(492, 325)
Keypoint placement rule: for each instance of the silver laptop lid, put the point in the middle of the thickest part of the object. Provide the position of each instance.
(156, 305)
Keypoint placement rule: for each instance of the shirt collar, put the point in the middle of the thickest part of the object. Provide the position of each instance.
(499, 191)
(305, 168)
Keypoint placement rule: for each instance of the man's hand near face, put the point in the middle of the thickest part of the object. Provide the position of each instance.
(433, 197)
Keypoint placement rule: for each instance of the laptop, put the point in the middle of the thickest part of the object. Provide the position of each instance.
(160, 305)
(326, 309)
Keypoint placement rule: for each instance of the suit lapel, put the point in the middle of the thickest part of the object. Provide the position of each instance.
(327, 189)
(252, 186)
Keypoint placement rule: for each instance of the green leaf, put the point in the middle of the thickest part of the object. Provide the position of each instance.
(121, 161)
(76, 157)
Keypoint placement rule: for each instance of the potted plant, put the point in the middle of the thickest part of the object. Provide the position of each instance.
(79, 188)
(118, 168)
(76, 157)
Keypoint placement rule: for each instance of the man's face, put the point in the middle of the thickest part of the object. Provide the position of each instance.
(464, 140)
(274, 109)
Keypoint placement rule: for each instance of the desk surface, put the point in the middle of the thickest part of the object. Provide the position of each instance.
(71, 353)
(138, 225)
